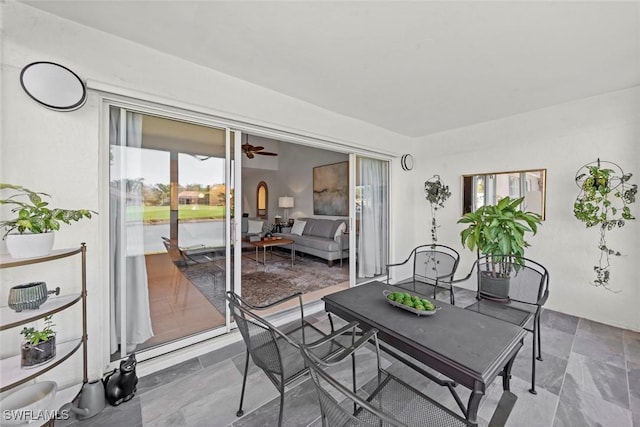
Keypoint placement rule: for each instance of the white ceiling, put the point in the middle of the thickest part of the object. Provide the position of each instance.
(411, 67)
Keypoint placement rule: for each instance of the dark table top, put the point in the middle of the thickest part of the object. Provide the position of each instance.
(462, 344)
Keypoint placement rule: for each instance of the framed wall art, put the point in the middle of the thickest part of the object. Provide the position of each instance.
(331, 189)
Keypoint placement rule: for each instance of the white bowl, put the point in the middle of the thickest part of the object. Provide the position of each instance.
(28, 403)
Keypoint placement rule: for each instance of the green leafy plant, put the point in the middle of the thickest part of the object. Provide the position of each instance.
(436, 193)
(34, 336)
(604, 201)
(498, 232)
(34, 215)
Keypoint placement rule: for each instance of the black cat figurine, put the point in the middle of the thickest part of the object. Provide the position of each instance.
(120, 385)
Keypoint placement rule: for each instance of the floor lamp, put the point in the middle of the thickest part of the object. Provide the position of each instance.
(285, 202)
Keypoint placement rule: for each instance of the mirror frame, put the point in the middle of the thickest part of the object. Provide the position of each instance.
(53, 86)
(466, 181)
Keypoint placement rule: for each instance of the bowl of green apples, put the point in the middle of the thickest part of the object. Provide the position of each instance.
(412, 303)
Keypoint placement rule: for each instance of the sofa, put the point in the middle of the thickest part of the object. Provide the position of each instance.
(323, 238)
(253, 229)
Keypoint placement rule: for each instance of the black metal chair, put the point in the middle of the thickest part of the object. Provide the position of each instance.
(392, 402)
(518, 299)
(183, 257)
(434, 265)
(277, 350)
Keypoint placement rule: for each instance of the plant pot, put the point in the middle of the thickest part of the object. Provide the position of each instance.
(30, 245)
(29, 296)
(35, 355)
(496, 288)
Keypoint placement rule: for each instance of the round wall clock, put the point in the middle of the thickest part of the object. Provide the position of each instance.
(54, 86)
(406, 161)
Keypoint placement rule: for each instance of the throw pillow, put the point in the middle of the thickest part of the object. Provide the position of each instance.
(255, 227)
(298, 227)
(341, 229)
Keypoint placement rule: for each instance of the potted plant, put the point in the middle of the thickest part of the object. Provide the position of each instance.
(497, 231)
(604, 199)
(30, 232)
(39, 346)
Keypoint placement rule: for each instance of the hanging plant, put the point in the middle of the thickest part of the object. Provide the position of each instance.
(436, 193)
(604, 199)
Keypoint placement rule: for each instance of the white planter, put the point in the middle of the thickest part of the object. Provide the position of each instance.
(30, 245)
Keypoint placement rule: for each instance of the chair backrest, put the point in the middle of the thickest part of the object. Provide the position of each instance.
(528, 280)
(260, 337)
(433, 261)
(337, 400)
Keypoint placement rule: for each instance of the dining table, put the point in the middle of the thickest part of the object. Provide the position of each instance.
(466, 347)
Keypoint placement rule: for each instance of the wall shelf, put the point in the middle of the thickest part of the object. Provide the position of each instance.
(11, 373)
(11, 318)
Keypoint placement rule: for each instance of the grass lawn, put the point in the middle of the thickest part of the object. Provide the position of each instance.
(185, 212)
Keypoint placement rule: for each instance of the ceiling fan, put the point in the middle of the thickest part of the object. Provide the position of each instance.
(250, 150)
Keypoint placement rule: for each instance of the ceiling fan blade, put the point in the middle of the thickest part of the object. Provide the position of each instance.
(265, 153)
(256, 148)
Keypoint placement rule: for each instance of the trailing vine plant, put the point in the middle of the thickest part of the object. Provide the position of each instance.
(436, 193)
(604, 199)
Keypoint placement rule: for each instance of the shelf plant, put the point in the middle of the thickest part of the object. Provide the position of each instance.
(39, 345)
(604, 199)
(34, 216)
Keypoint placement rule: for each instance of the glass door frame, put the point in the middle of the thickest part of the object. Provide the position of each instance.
(232, 170)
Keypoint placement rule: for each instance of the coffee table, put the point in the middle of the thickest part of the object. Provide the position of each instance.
(264, 244)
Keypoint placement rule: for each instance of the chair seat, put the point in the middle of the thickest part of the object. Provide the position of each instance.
(512, 312)
(408, 406)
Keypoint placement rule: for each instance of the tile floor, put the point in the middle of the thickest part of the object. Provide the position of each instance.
(590, 376)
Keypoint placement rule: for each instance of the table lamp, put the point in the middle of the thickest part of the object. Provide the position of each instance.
(285, 202)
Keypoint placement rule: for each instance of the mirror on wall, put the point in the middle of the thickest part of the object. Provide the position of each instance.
(488, 188)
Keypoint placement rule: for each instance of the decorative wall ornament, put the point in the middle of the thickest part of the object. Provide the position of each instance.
(604, 199)
(436, 193)
(406, 161)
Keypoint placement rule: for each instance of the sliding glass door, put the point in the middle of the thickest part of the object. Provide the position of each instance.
(170, 235)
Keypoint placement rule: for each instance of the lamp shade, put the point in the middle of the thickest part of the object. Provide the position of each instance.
(285, 202)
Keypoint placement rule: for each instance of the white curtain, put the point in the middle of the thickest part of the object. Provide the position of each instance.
(374, 217)
(128, 268)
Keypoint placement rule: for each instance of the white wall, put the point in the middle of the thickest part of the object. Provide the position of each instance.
(60, 153)
(561, 139)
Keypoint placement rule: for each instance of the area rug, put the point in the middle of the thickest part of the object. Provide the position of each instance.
(264, 284)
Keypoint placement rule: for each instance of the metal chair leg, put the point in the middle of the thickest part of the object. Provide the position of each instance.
(244, 383)
(537, 332)
(331, 322)
(281, 405)
(532, 390)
